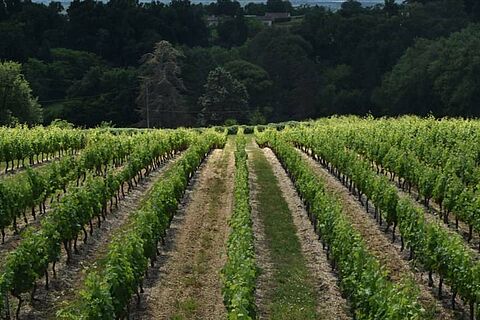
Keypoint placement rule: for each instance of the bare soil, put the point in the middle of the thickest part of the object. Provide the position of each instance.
(379, 244)
(331, 304)
(70, 277)
(186, 283)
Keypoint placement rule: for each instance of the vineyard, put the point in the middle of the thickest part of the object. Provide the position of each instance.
(338, 218)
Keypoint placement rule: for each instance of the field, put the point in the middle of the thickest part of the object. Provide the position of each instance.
(338, 218)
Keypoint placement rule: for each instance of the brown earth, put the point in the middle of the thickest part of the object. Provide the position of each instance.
(69, 277)
(379, 244)
(186, 282)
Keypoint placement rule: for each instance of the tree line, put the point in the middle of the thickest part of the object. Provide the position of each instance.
(94, 62)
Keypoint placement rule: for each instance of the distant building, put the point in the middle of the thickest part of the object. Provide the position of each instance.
(277, 15)
(212, 21)
(270, 17)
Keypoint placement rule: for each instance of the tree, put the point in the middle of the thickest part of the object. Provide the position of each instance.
(187, 23)
(391, 7)
(257, 9)
(440, 76)
(407, 89)
(255, 79)
(286, 58)
(227, 8)
(29, 28)
(51, 79)
(225, 97)
(103, 94)
(196, 66)
(338, 94)
(17, 102)
(160, 100)
(232, 32)
(456, 73)
(279, 6)
(472, 7)
(350, 8)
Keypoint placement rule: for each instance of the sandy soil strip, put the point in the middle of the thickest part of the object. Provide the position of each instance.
(185, 283)
(379, 243)
(262, 258)
(331, 305)
(70, 277)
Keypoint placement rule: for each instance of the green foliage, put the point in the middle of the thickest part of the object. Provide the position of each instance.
(438, 250)
(31, 188)
(338, 93)
(439, 76)
(63, 124)
(21, 143)
(101, 95)
(230, 122)
(286, 58)
(225, 97)
(239, 272)
(257, 82)
(16, 100)
(257, 9)
(196, 66)
(279, 6)
(124, 267)
(82, 62)
(350, 8)
(51, 79)
(232, 31)
(29, 261)
(256, 117)
(160, 97)
(363, 280)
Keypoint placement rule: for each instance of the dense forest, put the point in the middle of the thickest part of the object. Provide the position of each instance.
(97, 62)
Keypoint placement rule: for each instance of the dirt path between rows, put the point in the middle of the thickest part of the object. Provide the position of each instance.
(331, 304)
(379, 243)
(186, 283)
(70, 278)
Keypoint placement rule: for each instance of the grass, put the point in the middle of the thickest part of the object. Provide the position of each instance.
(293, 295)
(187, 309)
